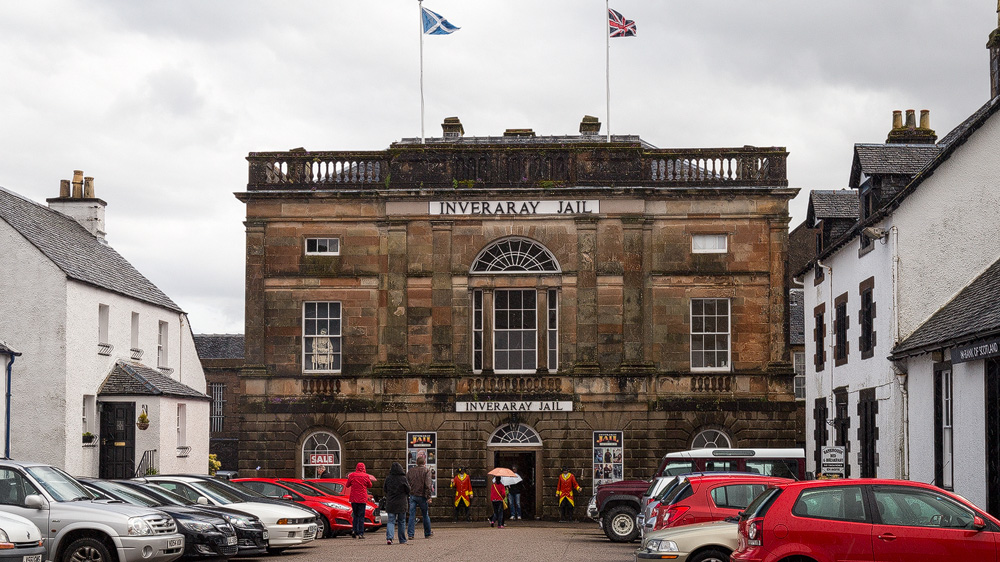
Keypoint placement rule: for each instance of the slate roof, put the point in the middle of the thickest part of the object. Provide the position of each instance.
(902, 159)
(833, 204)
(129, 378)
(796, 317)
(77, 252)
(973, 313)
(219, 346)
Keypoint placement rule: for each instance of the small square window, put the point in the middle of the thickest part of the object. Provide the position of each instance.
(709, 243)
(322, 246)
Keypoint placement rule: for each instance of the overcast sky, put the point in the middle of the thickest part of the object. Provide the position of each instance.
(162, 100)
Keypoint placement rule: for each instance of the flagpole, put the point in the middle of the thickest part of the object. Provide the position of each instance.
(607, 66)
(420, 10)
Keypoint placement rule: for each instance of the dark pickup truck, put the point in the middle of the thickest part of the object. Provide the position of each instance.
(615, 505)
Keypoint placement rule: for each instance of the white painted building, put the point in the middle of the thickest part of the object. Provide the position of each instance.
(99, 344)
(927, 227)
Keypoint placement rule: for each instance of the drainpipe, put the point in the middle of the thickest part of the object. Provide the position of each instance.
(901, 377)
(6, 437)
(828, 337)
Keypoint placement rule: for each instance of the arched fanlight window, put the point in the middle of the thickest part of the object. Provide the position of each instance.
(321, 456)
(515, 435)
(515, 255)
(711, 439)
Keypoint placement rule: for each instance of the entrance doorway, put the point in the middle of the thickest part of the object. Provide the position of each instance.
(525, 463)
(117, 456)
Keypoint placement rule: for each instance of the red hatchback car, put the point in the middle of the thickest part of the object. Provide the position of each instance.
(709, 497)
(864, 519)
(335, 511)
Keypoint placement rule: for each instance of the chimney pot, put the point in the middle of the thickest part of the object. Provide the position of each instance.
(88, 188)
(925, 119)
(63, 189)
(77, 184)
(897, 119)
(911, 119)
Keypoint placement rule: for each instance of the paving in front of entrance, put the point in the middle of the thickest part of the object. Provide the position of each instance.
(476, 541)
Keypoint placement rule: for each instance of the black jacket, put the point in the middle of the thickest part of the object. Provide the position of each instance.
(397, 490)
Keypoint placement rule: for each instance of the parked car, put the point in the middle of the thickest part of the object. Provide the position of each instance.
(251, 534)
(701, 498)
(205, 535)
(74, 527)
(335, 513)
(337, 487)
(287, 525)
(701, 542)
(864, 519)
(20, 540)
(615, 506)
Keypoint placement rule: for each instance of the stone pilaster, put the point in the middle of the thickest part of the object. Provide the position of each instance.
(586, 318)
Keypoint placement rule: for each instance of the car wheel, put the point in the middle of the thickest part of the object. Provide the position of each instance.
(86, 550)
(322, 527)
(710, 555)
(619, 524)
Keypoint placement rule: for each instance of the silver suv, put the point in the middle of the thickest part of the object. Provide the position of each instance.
(76, 528)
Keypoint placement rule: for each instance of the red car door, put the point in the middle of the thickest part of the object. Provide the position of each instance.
(921, 524)
(829, 523)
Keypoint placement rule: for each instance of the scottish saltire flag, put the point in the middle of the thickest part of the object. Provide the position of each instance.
(617, 24)
(434, 24)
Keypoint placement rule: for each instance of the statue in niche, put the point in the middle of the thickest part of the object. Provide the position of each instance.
(322, 357)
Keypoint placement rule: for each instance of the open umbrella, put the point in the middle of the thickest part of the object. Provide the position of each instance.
(501, 471)
(508, 480)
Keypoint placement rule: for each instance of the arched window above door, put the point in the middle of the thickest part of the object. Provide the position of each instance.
(515, 435)
(321, 456)
(711, 439)
(515, 255)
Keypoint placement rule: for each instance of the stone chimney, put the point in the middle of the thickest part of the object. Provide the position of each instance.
(590, 126)
(519, 133)
(80, 203)
(994, 46)
(452, 128)
(909, 132)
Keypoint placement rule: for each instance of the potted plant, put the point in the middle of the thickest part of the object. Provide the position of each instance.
(143, 421)
(88, 437)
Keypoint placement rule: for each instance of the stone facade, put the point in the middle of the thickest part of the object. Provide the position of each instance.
(417, 307)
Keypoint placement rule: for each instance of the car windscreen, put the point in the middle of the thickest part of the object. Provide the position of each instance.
(334, 488)
(61, 486)
(163, 494)
(677, 493)
(761, 503)
(239, 488)
(128, 494)
(304, 490)
(216, 491)
(674, 468)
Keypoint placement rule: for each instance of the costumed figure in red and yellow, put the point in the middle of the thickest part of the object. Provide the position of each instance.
(564, 492)
(463, 494)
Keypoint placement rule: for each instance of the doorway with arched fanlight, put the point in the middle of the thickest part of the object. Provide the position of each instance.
(518, 445)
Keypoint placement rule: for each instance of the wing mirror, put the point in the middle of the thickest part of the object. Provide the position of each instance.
(202, 500)
(978, 523)
(34, 501)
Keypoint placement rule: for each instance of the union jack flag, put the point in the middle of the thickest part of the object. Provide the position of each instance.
(619, 26)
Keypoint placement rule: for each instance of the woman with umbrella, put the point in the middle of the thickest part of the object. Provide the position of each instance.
(498, 493)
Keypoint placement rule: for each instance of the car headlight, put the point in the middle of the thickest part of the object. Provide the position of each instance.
(237, 521)
(657, 545)
(197, 526)
(336, 506)
(139, 527)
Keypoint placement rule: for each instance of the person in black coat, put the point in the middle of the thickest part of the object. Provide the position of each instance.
(397, 502)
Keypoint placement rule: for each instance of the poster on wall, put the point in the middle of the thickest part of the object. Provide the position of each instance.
(423, 443)
(608, 457)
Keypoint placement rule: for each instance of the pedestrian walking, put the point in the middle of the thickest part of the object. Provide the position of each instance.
(564, 492)
(419, 478)
(514, 491)
(396, 496)
(498, 495)
(358, 483)
(463, 494)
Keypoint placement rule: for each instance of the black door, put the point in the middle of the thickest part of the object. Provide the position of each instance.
(993, 436)
(117, 440)
(525, 463)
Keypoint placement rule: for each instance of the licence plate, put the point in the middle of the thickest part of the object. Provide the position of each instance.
(230, 541)
(172, 543)
(33, 558)
(264, 536)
